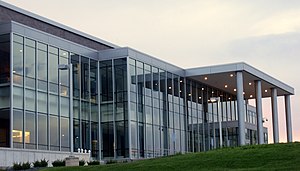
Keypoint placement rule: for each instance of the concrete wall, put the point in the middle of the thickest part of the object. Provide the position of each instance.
(9, 156)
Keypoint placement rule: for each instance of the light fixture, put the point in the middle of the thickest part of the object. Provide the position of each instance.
(266, 91)
(14, 71)
(190, 94)
(170, 88)
(251, 96)
(250, 83)
(226, 85)
(244, 93)
(212, 92)
(21, 50)
(180, 91)
(202, 89)
(234, 89)
(181, 81)
(231, 75)
(200, 97)
(229, 98)
(205, 78)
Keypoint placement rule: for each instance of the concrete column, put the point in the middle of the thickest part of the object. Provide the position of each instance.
(260, 134)
(275, 115)
(288, 118)
(240, 107)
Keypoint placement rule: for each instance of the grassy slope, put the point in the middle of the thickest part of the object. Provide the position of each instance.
(263, 157)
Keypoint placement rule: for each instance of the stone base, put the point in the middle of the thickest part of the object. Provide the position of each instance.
(72, 161)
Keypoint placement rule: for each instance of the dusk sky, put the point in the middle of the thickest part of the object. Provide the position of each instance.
(193, 33)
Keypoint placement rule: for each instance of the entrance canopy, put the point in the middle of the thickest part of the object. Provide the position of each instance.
(223, 77)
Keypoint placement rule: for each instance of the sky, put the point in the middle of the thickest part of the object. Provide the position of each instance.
(193, 33)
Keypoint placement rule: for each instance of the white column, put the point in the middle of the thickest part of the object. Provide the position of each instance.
(288, 118)
(260, 134)
(275, 115)
(240, 107)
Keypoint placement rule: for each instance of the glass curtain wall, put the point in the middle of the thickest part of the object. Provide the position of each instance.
(5, 90)
(40, 96)
(85, 104)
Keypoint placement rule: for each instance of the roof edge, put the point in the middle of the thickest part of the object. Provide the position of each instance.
(54, 23)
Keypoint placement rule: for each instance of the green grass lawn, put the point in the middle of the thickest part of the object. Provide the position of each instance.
(259, 157)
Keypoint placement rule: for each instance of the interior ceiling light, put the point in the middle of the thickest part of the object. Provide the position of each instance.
(266, 91)
(226, 85)
(250, 84)
(234, 89)
(205, 78)
(231, 75)
(202, 89)
(251, 96)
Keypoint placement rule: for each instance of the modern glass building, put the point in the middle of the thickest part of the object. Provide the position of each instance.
(63, 90)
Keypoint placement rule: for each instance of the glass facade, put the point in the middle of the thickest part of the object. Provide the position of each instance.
(122, 108)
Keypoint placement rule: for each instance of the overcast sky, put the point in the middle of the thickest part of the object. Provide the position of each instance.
(191, 33)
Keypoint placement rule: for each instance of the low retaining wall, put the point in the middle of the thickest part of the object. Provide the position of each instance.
(8, 156)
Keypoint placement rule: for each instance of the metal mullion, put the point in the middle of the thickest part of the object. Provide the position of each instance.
(167, 111)
(173, 129)
(137, 114)
(197, 112)
(114, 105)
(11, 90)
(59, 103)
(159, 109)
(144, 111)
(36, 98)
(80, 117)
(90, 111)
(99, 111)
(48, 102)
(24, 94)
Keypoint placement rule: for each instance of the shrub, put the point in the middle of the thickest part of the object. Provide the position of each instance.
(41, 163)
(81, 162)
(21, 166)
(58, 163)
(17, 166)
(95, 162)
(111, 162)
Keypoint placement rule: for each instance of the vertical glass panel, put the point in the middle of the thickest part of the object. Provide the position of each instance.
(85, 90)
(64, 106)
(5, 128)
(108, 139)
(42, 132)
(42, 102)
(76, 108)
(64, 74)
(42, 63)
(95, 140)
(18, 129)
(65, 138)
(5, 58)
(18, 97)
(76, 75)
(29, 67)
(85, 110)
(106, 81)
(30, 99)
(53, 104)
(94, 81)
(54, 137)
(122, 139)
(94, 112)
(85, 134)
(5, 97)
(76, 129)
(18, 52)
(53, 65)
(30, 131)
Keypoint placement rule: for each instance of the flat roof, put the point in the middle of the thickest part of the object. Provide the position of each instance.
(64, 27)
(223, 78)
